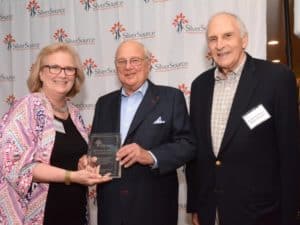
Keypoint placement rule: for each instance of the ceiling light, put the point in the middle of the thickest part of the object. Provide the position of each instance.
(273, 42)
(276, 60)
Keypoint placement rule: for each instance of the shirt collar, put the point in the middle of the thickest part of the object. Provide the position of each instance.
(232, 74)
(141, 90)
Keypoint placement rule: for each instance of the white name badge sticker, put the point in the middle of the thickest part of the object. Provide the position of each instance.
(58, 126)
(256, 116)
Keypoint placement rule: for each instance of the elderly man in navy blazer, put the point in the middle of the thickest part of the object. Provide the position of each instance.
(245, 117)
(156, 140)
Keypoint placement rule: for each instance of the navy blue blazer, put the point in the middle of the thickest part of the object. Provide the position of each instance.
(254, 180)
(144, 195)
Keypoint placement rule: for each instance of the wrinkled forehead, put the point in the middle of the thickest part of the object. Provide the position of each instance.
(222, 24)
(130, 49)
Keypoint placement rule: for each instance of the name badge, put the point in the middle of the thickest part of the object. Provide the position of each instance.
(256, 116)
(58, 126)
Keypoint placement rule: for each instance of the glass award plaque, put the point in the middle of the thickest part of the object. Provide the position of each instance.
(104, 146)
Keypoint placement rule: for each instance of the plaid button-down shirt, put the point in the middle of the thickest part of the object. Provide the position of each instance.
(224, 91)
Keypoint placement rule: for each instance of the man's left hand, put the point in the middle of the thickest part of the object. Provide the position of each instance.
(133, 153)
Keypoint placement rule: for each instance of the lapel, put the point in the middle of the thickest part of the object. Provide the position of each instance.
(115, 109)
(149, 101)
(245, 89)
(207, 104)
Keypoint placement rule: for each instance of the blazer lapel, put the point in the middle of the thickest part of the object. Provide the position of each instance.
(149, 101)
(115, 111)
(245, 89)
(208, 105)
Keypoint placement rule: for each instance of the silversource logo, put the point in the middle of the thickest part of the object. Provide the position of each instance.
(159, 67)
(35, 9)
(12, 44)
(61, 36)
(92, 70)
(182, 24)
(93, 4)
(119, 32)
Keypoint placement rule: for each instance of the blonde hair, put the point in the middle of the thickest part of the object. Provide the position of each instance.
(34, 82)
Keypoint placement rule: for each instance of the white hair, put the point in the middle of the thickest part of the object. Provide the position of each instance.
(240, 23)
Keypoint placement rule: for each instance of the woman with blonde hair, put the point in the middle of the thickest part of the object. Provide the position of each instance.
(42, 138)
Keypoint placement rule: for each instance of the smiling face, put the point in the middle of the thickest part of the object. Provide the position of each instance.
(57, 85)
(225, 42)
(132, 65)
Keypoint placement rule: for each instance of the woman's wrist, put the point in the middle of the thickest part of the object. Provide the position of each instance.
(68, 177)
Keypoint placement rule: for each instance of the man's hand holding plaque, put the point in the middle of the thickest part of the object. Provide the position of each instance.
(102, 151)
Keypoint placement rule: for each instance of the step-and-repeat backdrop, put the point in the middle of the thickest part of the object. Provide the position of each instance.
(173, 30)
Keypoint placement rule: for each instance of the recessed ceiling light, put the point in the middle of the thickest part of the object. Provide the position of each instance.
(273, 42)
(276, 60)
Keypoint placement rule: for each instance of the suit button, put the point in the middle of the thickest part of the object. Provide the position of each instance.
(218, 163)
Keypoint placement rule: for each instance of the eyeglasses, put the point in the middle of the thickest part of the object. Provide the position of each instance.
(135, 61)
(56, 69)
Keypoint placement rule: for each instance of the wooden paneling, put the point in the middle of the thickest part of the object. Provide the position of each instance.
(276, 31)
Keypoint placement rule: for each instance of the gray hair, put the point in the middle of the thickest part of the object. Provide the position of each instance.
(240, 23)
(147, 53)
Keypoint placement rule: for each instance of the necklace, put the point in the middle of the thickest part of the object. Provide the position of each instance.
(63, 109)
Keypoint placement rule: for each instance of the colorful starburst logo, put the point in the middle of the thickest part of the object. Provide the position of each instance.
(10, 100)
(87, 4)
(33, 7)
(179, 21)
(60, 35)
(8, 40)
(89, 65)
(117, 29)
(184, 89)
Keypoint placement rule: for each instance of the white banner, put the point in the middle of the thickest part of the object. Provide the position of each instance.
(173, 30)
